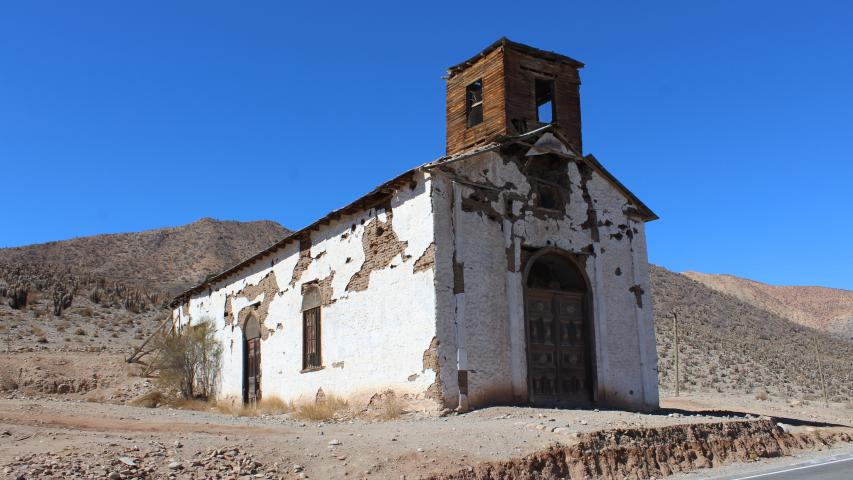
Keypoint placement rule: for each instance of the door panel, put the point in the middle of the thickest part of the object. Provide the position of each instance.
(557, 347)
(572, 368)
(252, 371)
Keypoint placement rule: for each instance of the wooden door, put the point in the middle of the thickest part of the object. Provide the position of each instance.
(252, 371)
(558, 366)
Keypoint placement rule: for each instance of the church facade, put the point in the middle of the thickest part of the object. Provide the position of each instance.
(512, 270)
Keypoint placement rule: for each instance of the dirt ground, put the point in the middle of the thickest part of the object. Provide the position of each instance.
(96, 436)
(67, 415)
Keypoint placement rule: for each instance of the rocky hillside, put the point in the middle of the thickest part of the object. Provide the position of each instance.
(732, 346)
(166, 259)
(105, 293)
(828, 309)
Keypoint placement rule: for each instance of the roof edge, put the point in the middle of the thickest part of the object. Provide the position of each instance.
(364, 202)
(505, 42)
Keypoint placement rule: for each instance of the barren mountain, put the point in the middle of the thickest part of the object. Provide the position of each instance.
(827, 309)
(166, 259)
(737, 337)
(734, 346)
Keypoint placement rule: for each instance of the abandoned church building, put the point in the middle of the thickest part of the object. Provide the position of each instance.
(512, 270)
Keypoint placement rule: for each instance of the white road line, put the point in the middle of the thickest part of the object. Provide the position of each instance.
(794, 469)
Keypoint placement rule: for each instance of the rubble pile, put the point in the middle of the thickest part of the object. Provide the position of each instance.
(155, 461)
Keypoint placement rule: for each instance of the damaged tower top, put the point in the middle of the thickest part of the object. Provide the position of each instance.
(510, 89)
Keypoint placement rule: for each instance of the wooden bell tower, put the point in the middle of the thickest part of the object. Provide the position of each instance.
(510, 89)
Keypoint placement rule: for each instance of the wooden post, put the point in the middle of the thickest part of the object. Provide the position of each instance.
(820, 370)
(675, 326)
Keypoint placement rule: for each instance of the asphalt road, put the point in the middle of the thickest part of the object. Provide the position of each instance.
(836, 467)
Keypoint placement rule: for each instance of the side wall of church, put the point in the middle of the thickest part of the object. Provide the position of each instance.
(374, 270)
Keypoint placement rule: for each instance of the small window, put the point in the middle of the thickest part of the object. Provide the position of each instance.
(544, 100)
(311, 339)
(474, 103)
(548, 196)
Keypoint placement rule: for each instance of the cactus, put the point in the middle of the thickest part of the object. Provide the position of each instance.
(61, 301)
(95, 295)
(18, 297)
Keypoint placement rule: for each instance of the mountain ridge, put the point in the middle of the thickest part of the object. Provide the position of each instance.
(173, 258)
(823, 308)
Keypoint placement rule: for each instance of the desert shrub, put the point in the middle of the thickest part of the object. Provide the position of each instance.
(189, 361)
(321, 410)
(80, 332)
(8, 382)
(236, 410)
(192, 404)
(36, 331)
(149, 400)
(762, 395)
(273, 405)
(42, 339)
(392, 408)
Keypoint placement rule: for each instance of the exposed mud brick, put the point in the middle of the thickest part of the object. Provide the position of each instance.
(380, 245)
(304, 259)
(431, 362)
(426, 260)
(269, 287)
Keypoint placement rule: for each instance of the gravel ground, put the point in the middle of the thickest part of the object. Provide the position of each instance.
(51, 438)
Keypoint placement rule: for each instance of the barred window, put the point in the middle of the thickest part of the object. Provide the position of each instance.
(311, 339)
(311, 331)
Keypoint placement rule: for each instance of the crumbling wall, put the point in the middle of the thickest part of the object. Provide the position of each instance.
(364, 266)
(506, 212)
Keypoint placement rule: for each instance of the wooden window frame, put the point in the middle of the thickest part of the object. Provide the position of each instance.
(312, 346)
(552, 90)
(539, 185)
(470, 105)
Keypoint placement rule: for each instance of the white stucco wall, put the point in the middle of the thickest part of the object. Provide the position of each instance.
(489, 334)
(372, 340)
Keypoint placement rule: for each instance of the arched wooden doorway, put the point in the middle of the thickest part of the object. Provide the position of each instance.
(559, 331)
(251, 360)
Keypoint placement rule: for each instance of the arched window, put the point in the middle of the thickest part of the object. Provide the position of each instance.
(311, 354)
(554, 272)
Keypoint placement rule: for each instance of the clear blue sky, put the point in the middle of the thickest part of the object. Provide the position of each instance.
(732, 120)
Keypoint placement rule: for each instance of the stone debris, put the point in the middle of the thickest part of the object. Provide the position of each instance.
(118, 463)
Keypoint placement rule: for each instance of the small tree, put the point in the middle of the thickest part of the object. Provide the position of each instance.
(189, 361)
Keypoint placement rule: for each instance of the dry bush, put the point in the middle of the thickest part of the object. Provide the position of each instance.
(322, 410)
(36, 331)
(762, 395)
(384, 406)
(392, 408)
(8, 382)
(192, 404)
(274, 405)
(189, 362)
(41, 339)
(80, 332)
(151, 399)
(237, 411)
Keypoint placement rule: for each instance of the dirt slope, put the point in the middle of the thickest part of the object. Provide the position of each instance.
(729, 345)
(827, 309)
(166, 259)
